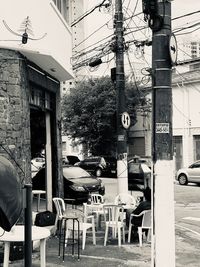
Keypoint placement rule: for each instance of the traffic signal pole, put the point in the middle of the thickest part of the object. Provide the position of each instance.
(163, 184)
(122, 172)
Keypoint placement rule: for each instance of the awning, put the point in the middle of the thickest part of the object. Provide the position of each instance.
(45, 61)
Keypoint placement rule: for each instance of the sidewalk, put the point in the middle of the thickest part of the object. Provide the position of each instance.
(187, 253)
(94, 256)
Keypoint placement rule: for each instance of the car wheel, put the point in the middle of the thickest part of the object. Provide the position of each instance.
(182, 179)
(98, 172)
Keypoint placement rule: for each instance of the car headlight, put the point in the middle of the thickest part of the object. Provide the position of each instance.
(78, 188)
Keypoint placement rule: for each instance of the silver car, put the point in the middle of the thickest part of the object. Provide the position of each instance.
(190, 174)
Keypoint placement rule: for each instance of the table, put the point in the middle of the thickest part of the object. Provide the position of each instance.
(38, 193)
(17, 235)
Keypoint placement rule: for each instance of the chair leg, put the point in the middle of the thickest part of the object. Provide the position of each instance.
(106, 235)
(140, 235)
(123, 234)
(149, 235)
(119, 236)
(129, 233)
(84, 238)
(93, 234)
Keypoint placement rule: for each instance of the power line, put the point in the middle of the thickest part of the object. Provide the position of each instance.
(88, 13)
(92, 34)
(186, 15)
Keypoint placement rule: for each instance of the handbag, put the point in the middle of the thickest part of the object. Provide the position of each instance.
(45, 218)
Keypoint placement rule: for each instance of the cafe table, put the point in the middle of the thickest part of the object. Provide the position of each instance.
(17, 235)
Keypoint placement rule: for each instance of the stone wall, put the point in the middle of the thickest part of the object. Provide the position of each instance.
(15, 112)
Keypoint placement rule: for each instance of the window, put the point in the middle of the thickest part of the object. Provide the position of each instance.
(63, 7)
(178, 151)
(196, 141)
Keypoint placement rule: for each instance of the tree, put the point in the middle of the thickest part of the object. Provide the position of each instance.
(89, 114)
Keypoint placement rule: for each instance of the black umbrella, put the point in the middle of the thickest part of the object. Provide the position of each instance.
(10, 195)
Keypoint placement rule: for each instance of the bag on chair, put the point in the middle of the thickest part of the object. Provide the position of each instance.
(45, 218)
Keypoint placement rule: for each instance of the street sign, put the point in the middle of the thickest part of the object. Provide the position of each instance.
(162, 127)
(126, 120)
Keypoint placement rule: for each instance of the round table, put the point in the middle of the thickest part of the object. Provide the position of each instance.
(17, 235)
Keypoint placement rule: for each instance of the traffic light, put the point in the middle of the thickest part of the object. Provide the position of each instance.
(150, 8)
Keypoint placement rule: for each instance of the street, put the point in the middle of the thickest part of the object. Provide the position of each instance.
(186, 199)
(187, 206)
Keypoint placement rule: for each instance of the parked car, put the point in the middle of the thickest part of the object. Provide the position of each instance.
(190, 174)
(70, 159)
(139, 176)
(78, 183)
(99, 166)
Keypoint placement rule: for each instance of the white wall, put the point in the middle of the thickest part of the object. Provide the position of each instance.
(45, 18)
(186, 117)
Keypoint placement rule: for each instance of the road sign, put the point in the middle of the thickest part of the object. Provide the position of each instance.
(126, 120)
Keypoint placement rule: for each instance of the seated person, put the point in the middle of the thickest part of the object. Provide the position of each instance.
(144, 205)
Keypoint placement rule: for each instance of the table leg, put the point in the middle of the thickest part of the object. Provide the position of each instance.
(38, 202)
(6, 254)
(43, 252)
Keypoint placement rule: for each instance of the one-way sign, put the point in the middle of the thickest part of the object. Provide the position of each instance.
(126, 120)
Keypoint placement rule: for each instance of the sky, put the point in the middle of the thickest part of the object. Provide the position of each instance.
(98, 19)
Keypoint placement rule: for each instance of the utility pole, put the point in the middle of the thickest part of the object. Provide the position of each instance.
(123, 119)
(158, 14)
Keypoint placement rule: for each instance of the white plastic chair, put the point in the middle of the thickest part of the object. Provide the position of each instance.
(114, 220)
(60, 209)
(84, 224)
(146, 224)
(125, 200)
(96, 207)
(97, 199)
(83, 220)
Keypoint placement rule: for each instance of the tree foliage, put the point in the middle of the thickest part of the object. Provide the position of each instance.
(89, 114)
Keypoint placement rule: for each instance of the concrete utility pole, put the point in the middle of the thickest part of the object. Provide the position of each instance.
(122, 118)
(163, 55)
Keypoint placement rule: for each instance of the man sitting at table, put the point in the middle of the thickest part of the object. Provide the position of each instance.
(144, 205)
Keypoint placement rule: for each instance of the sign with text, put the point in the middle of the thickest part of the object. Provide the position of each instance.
(126, 120)
(162, 127)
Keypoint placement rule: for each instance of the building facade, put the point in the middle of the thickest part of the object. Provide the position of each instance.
(35, 52)
(186, 122)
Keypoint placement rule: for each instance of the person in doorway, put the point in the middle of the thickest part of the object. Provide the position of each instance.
(143, 205)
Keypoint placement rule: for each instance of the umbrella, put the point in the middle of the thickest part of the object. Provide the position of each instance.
(10, 195)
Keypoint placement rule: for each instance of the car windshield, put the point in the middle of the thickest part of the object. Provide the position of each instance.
(75, 172)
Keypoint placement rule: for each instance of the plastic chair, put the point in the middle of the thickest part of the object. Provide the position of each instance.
(125, 200)
(60, 209)
(96, 207)
(96, 198)
(114, 219)
(146, 224)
